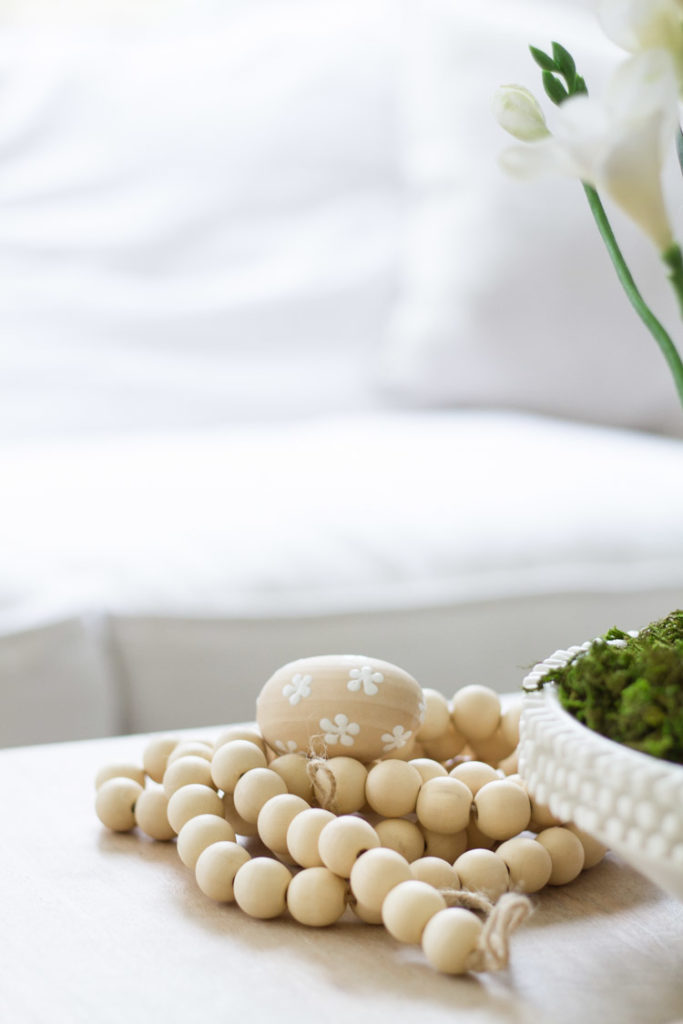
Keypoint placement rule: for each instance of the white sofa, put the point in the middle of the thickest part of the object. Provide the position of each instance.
(288, 367)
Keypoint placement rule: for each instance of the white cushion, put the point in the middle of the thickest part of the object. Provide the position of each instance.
(464, 546)
(509, 297)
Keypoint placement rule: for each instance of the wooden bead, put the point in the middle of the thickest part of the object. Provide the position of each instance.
(240, 732)
(391, 788)
(185, 771)
(502, 809)
(541, 817)
(593, 849)
(303, 836)
(293, 770)
(316, 897)
(483, 871)
(474, 774)
(349, 776)
(475, 711)
(115, 803)
(151, 814)
(216, 868)
(510, 765)
(401, 835)
(156, 754)
(190, 802)
(233, 760)
(408, 907)
(120, 771)
(260, 887)
(509, 722)
(274, 819)
(199, 833)
(435, 872)
(444, 847)
(437, 716)
(493, 749)
(375, 873)
(476, 840)
(339, 704)
(446, 746)
(449, 938)
(566, 854)
(428, 768)
(190, 748)
(241, 827)
(528, 863)
(254, 789)
(343, 840)
(365, 914)
(443, 805)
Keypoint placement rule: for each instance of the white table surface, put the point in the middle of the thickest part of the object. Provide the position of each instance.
(101, 927)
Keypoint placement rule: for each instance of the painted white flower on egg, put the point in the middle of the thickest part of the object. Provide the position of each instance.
(287, 746)
(340, 731)
(298, 688)
(367, 679)
(397, 738)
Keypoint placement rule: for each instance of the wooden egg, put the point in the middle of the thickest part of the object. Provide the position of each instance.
(340, 704)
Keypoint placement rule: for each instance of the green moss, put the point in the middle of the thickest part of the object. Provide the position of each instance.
(631, 692)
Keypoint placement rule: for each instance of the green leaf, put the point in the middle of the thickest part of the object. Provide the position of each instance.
(580, 87)
(554, 88)
(564, 62)
(544, 61)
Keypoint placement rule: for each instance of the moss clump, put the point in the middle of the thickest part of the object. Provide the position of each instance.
(630, 691)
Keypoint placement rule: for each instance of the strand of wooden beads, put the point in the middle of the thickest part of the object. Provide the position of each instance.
(425, 846)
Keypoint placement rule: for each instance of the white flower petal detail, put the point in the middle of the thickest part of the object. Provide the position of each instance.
(340, 731)
(298, 688)
(397, 738)
(366, 678)
(287, 746)
(518, 111)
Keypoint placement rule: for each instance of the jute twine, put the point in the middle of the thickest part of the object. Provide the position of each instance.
(493, 949)
(323, 781)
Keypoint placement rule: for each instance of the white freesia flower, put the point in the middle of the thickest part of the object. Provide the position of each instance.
(639, 25)
(617, 145)
(518, 111)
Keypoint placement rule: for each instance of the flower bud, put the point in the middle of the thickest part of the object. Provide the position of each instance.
(519, 113)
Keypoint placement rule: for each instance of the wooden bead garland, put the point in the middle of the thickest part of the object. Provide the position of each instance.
(186, 770)
(408, 907)
(115, 803)
(151, 814)
(425, 840)
(216, 868)
(190, 801)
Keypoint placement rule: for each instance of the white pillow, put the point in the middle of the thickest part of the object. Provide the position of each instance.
(509, 298)
(198, 214)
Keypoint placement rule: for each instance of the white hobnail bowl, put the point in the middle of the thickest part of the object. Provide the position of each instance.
(630, 801)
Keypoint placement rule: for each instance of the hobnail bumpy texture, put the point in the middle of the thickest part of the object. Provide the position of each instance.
(630, 801)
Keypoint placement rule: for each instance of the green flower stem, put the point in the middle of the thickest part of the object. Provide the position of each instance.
(656, 329)
(673, 257)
